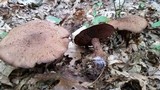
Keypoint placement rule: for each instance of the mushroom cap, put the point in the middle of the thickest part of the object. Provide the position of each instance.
(131, 23)
(37, 41)
(101, 31)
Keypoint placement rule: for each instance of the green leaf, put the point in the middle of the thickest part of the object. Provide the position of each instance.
(86, 24)
(156, 46)
(3, 34)
(156, 24)
(95, 13)
(142, 5)
(99, 19)
(95, 6)
(53, 19)
(100, 4)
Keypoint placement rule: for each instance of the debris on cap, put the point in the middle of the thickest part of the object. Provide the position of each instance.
(131, 23)
(37, 41)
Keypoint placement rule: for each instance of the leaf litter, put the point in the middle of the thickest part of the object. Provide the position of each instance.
(135, 67)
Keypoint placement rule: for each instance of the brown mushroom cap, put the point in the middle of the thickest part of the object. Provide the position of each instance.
(37, 41)
(131, 23)
(101, 31)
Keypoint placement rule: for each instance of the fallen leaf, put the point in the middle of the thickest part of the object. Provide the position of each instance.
(142, 5)
(74, 52)
(5, 13)
(3, 34)
(156, 75)
(135, 69)
(4, 26)
(133, 84)
(142, 79)
(22, 83)
(3, 2)
(53, 19)
(155, 5)
(100, 19)
(79, 14)
(38, 81)
(100, 4)
(28, 2)
(156, 24)
(118, 3)
(108, 14)
(5, 71)
(94, 13)
(156, 46)
(67, 84)
(113, 59)
(70, 82)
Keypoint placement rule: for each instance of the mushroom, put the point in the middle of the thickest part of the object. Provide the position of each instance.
(92, 36)
(101, 31)
(37, 41)
(129, 24)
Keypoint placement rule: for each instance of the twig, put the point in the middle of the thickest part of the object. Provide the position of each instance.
(115, 9)
(98, 76)
(118, 11)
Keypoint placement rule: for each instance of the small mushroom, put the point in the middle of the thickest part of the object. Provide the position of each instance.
(37, 41)
(93, 36)
(130, 23)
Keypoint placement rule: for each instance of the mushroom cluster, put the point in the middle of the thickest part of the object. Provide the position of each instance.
(37, 41)
(41, 41)
(101, 32)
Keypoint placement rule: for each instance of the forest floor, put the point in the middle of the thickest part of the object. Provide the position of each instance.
(136, 67)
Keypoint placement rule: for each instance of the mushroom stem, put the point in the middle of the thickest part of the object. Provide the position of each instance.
(97, 47)
(99, 54)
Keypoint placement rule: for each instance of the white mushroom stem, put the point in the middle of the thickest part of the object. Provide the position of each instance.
(97, 47)
(99, 54)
